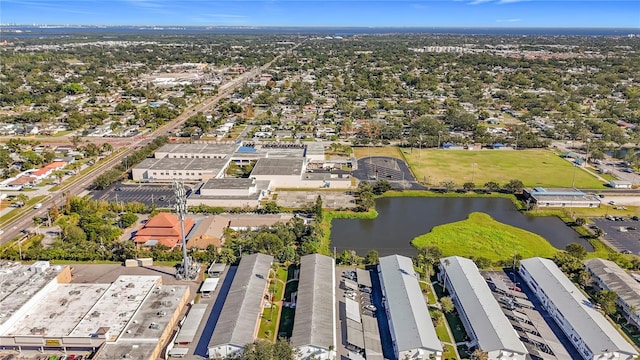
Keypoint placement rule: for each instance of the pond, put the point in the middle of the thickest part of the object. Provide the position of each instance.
(402, 219)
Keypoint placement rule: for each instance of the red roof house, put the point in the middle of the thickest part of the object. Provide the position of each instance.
(165, 229)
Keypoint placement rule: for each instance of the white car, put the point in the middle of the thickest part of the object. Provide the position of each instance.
(37, 206)
(370, 307)
(1, 232)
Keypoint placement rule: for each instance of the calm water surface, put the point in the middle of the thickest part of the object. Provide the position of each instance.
(401, 219)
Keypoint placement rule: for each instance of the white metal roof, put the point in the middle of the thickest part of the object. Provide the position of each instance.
(577, 310)
(407, 308)
(353, 310)
(485, 316)
(209, 285)
(190, 326)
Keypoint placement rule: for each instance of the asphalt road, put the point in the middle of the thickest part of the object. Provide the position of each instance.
(628, 240)
(80, 183)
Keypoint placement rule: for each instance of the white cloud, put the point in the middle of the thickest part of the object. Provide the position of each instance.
(508, 20)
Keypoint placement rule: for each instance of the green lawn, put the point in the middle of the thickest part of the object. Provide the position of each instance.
(481, 236)
(532, 167)
(449, 352)
(268, 323)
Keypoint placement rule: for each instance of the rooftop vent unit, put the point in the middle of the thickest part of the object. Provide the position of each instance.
(95, 314)
(161, 313)
(154, 326)
(131, 285)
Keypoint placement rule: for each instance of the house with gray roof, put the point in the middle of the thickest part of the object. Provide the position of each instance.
(479, 311)
(587, 329)
(314, 326)
(410, 324)
(239, 319)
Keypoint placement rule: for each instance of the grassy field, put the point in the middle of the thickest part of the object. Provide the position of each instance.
(482, 236)
(390, 151)
(532, 167)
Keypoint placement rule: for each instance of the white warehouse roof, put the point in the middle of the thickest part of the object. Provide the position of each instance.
(586, 321)
(491, 326)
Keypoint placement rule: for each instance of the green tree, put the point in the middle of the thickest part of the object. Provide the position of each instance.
(446, 304)
(468, 186)
(381, 186)
(514, 186)
(372, 257)
(607, 299)
(448, 185)
(317, 208)
(576, 250)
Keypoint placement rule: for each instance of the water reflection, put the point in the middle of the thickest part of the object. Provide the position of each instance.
(401, 219)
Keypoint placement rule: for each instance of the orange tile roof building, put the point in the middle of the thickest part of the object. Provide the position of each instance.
(165, 229)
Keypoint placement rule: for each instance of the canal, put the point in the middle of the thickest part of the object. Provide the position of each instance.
(402, 219)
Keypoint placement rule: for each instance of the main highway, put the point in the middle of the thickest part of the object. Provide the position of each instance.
(79, 183)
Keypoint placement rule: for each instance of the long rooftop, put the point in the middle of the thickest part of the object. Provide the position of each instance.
(315, 306)
(241, 309)
(407, 308)
(485, 316)
(617, 280)
(578, 311)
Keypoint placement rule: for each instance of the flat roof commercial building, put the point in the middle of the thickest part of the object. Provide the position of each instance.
(543, 197)
(230, 192)
(197, 151)
(283, 172)
(134, 313)
(481, 314)
(239, 320)
(188, 169)
(607, 275)
(589, 331)
(314, 327)
(412, 330)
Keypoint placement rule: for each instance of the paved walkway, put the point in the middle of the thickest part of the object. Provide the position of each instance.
(437, 305)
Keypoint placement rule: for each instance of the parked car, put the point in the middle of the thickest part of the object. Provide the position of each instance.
(626, 251)
(370, 307)
(37, 206)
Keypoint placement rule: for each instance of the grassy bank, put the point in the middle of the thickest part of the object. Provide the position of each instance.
(481, 236)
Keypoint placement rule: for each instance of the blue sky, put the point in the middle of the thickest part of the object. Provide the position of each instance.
(403, 13)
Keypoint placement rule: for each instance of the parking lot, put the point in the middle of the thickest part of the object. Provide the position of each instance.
(621, 233)
(395, 171)
(365, 325)
(537, 330)
(152, 195)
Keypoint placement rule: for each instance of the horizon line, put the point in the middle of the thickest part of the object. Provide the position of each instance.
(322, 26)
